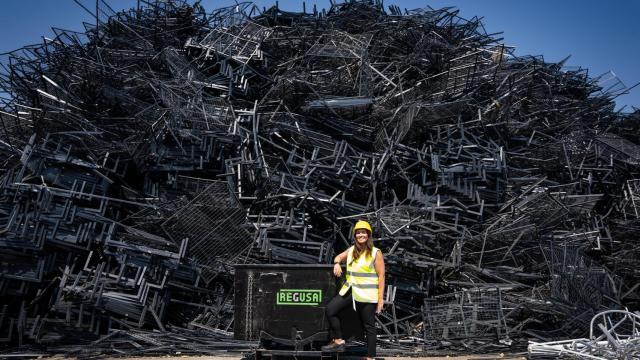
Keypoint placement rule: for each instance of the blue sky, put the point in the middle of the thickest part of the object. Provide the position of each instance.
(599, 35)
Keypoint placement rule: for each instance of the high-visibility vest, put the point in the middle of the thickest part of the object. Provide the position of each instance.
(362, 277)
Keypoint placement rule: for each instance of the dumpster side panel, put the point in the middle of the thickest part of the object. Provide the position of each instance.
(282, 300)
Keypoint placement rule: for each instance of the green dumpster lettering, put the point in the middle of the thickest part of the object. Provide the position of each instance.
(309, 297)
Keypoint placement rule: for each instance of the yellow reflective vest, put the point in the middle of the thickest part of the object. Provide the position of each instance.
(362, 277)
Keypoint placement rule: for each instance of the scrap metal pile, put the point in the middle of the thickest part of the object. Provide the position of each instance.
(145, 156)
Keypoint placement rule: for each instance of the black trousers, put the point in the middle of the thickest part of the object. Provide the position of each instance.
(367, 313)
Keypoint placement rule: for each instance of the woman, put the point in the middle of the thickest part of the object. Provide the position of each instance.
(364, 288)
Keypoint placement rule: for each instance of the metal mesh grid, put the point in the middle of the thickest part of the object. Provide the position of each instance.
(612, 145)
(212, 223)
(341, 45)
(576, 279)
(239, 42)
(475, 313)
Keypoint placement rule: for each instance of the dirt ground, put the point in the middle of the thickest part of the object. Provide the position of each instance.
(235, 357)
(466, 357)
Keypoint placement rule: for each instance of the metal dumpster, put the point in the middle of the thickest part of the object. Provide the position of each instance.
(286, 304)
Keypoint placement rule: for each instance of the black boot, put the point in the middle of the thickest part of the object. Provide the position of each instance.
(333, 347)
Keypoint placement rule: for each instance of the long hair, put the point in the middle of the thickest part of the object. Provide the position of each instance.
(365, 249)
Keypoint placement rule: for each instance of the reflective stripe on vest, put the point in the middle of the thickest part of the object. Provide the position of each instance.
(361, 278)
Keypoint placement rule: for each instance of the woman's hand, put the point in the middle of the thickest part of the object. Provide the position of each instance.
(379, 307)
(337, 270)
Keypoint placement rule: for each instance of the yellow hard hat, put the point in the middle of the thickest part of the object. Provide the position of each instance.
(361, 224)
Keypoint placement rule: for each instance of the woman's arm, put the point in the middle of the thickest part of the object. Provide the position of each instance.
(379, 265)
(342, 257)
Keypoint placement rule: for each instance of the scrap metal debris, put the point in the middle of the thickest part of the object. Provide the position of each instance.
(614, 334)
(145, 156)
